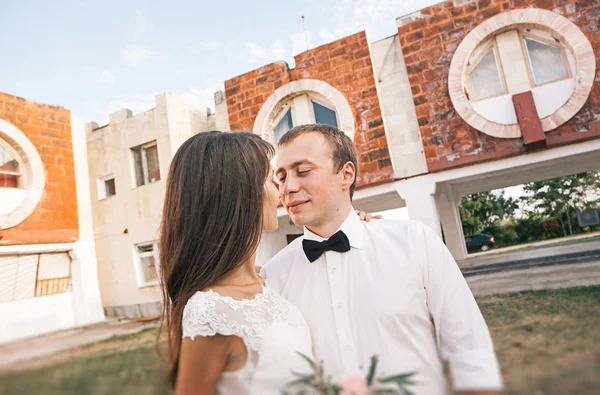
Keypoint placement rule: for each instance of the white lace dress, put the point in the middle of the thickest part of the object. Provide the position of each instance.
(273, 330)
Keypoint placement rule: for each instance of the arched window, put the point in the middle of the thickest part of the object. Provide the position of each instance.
(300, 110)
(9, 167)
(22, 176)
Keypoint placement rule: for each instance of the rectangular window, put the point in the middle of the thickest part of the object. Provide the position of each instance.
(146, 264)
(106, 187)
(324, 115)
(109, 187)
(146, 163)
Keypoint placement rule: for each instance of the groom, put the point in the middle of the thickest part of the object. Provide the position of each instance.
(386, 287)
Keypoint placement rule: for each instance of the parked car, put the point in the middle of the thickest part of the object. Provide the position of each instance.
(480, 242)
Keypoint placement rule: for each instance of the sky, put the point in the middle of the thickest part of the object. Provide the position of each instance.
(98, 57)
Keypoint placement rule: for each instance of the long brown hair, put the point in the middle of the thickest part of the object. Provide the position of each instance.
(212, 219)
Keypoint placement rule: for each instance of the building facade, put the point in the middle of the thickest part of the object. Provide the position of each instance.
(128, 167)
(468, 96)
(48, 272)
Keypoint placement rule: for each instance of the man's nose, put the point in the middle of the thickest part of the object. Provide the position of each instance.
(290, 185)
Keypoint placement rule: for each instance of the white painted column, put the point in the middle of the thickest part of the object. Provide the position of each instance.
(87, 303)
(419, 195)
(447, 202)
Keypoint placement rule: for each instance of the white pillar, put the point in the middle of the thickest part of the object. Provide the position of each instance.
(87, 303)
(419, 195)
(447, 202)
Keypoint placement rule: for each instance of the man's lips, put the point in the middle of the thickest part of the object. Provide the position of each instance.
(296, 204)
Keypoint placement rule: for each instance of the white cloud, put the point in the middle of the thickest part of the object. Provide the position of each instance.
(106, 77)
(326, 35)
(300, 42)
(134, 54)
(138, 25)
(377, 17)
(257, 52)
(277, 49)
(201, 95)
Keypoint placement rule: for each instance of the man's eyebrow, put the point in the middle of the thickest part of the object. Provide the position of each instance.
(296, 164)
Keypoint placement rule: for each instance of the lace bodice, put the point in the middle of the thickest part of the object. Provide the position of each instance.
(272, 329)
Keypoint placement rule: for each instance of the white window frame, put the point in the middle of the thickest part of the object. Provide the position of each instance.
(137, 261)
(20, 175)
(101, 183)
(499, 70)
(305, 100)
(321, 103)
(531, 36)
(145, 173)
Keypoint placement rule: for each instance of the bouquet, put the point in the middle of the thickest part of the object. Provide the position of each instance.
(316, 383)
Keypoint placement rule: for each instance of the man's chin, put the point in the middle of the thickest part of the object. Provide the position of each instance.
(297, 218)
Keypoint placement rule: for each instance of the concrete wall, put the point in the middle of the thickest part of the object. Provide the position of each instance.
(398, 109)
(133, 215)
(29, 317)
(87, 303)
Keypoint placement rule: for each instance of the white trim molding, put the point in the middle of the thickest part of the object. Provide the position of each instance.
(532, 18)
(33, 172)
(264, 119)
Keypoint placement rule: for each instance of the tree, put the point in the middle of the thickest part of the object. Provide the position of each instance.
(563, 197)
(480, 211)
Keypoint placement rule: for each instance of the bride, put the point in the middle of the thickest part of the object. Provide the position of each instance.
(228, 332)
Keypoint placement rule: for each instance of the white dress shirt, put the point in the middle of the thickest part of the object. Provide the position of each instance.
(397, 293)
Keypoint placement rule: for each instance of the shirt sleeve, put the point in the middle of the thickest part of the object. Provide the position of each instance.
(462, 335)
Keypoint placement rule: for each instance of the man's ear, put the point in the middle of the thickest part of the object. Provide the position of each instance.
(348, 174)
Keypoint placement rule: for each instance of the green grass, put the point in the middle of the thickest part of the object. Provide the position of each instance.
(137, 371)
(548, 342)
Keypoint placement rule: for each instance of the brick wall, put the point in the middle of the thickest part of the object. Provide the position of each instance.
(428, 44)
(344, 64)
(49, 129)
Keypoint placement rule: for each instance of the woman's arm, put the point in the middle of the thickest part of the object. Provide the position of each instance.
(201, 363)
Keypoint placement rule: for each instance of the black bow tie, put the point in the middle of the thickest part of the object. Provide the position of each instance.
(314, 249)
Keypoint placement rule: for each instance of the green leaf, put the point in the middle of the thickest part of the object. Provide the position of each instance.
(304, 376)
(401, 380)
(372, 369)
(302, 380)
(312, 363)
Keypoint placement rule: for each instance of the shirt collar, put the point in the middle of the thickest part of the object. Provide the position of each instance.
(352, 227)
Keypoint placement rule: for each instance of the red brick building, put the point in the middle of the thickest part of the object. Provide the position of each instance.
(429, 42)
(54, 217)
(468, 96)
(344, 65)
(48, 276)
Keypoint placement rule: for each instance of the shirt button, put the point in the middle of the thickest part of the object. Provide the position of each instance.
(347, 348)
(339, 305)
(333, 270)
